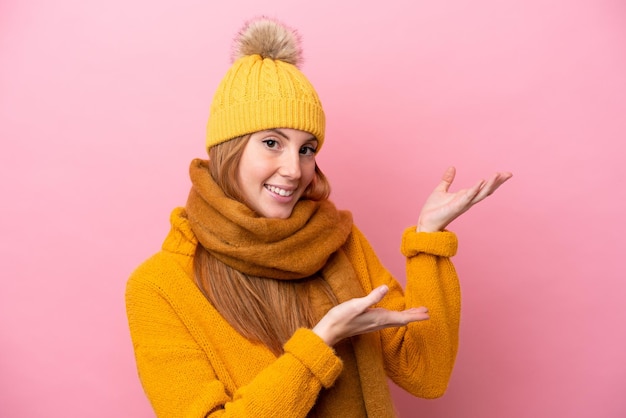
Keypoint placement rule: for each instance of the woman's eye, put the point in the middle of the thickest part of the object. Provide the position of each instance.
(307, 150)
(270, 143)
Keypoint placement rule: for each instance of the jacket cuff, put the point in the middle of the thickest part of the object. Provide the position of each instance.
(442, 244)
(318, 357)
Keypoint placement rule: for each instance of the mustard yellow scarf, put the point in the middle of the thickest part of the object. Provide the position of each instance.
(291, 248)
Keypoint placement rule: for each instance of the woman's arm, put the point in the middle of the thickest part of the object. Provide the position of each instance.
(180, 379)
(418, 353)
(419, 356)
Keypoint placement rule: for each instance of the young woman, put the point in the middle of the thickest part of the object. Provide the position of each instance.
(267, 301)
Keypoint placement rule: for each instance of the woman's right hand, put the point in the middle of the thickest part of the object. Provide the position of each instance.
(356, 316)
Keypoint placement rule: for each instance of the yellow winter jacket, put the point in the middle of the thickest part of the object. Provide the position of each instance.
(192, 363)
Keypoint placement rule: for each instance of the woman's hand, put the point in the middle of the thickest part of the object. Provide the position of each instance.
(443, 207)
(356, 317)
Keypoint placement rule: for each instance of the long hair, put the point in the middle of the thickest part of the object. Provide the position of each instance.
(263, 310)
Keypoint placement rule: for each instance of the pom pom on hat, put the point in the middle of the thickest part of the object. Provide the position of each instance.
(270, 39)
(264, 89)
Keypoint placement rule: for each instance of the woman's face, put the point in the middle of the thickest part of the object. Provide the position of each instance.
(276, 167)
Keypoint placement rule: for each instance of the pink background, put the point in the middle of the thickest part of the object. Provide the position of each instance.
(103, 105)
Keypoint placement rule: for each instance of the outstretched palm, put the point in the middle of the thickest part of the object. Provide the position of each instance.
(442, 207)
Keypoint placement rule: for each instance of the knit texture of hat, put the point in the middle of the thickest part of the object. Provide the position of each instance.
(264, 89)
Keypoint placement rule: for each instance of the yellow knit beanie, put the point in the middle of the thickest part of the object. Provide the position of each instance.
(264, 89)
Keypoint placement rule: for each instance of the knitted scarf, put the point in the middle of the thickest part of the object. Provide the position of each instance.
(291, 248)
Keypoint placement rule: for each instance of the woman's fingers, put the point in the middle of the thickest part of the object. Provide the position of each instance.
(380, 318)
(358, 306)
(491, 186)
(446, 180)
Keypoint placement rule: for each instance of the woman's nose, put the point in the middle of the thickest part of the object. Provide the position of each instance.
(290, 165)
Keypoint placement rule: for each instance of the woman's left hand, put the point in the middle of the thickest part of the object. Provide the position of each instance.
(442, 207)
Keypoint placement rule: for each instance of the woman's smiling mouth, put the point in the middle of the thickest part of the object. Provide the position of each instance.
(279, 191)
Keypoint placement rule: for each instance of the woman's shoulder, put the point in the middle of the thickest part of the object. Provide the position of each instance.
(175, 259)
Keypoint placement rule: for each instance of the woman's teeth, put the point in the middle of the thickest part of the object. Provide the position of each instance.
(279, 191)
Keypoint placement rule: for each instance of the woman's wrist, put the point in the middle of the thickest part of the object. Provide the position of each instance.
(426, 228)
(322, 331)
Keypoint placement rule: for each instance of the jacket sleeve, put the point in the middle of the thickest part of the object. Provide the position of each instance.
(180, 379)
(418, 357)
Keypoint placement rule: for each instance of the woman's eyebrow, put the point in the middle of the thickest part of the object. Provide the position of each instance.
(279, 132)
